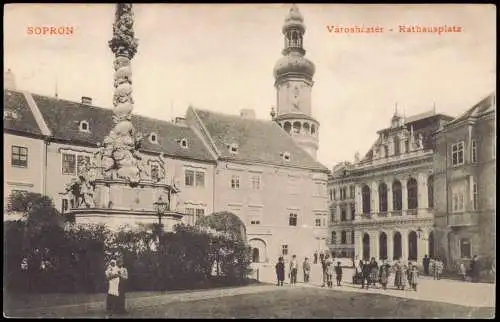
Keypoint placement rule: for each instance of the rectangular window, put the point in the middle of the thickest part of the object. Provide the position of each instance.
(68, 163)
(19, 157)
(317, 222)
(353, 211)
(333, 213)
(473, 156)
(255, 182)
(343, 214)
(458, 202)
(200, 179)
(284, 250)
(465, 248)
(155, 172)
(200, 212)
(190, 213)
(235, 182)
(351, 192)
(254, 220)
(334, 194)
(292, 219)
(457, 153)
(334, 238)
(189, 178)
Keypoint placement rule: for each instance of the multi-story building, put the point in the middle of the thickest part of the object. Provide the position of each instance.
(342, 191)
(465, 184)
(392, 198)
(47, 138)
(265, 171)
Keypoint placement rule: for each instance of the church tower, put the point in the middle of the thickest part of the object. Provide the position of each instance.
(293, 75)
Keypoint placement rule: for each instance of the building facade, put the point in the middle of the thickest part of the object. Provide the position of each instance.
(386, 198)
(465, 182)
(265, 171)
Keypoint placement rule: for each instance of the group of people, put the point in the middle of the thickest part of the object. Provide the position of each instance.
(368, 273)
(327, 265)
(433, 266)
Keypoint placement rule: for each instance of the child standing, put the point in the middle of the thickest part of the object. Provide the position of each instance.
(306, 268)
(413, 280)
(338, 272)
(280, 271)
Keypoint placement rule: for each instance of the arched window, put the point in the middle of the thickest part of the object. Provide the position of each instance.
(412, 194)
(296, 127)
(382, 193)
(343, 238)
(366, 199)
(386, 151)
(334, 238)
(313, 129)
(287, 127)
(352, 237)
(430, 191)
(307, 128)
(397, 196)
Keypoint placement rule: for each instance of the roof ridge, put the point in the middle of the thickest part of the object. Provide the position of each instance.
(232, 115)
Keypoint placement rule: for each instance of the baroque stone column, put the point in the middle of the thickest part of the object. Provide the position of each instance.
(358, 244)
(422, 245)
(423, 196)
(374, 196)
(404, 193)
(359, 201)
(390, 206)
(390, 245)
(404, 245)
(374, 244)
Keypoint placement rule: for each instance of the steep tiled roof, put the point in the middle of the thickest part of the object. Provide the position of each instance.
(257, 140)
(63, 118)
(21, 117)
(485, 106)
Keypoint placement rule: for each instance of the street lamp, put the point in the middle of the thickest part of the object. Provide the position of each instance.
(161, 208)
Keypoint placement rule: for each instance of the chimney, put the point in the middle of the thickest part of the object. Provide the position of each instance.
(9, 81)
(247, 114)
(86, 100)
(180, 120)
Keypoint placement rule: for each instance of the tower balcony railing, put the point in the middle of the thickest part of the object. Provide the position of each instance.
(411, 212)
(396, 213)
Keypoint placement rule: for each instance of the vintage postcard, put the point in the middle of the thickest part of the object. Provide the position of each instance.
(249, 161)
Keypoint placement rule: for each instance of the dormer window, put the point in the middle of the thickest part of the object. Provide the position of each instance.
(153, 138)
(84, 126)
(286, 156)
(183, 143)
(233, 148)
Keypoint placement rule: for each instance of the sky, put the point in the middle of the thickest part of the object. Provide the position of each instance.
(221, 57)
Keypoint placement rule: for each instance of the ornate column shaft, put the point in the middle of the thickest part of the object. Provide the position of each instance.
(359, 201)
(390, 245)
(390, 206)
(358, 244)
(423, 196)
(422, 246)
(374, 244)
(404, 193)
(374, 195)
(404, 245)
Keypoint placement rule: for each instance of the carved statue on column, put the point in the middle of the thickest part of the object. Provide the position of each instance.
(82, 189)
(120, 149)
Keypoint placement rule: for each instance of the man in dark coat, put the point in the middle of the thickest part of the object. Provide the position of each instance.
(426, 261)
(316, 257)
(366, 271)
(280, 271)
(474, 269)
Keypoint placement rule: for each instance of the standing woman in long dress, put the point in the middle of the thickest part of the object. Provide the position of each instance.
(123, 275)
(397, 275)
(113, 278)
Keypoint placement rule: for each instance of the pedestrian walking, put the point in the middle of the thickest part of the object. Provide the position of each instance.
(475, 269)
(373, 272)
(384, 273)
(404, 276)
(323, 270)
(413, 280)
(316, 257)
(366, 272)
(306, 268)
(122, 286)
(426, 262)
(293, 270)
(438, 269)
(280, 271)
(321, 257)
(463, 271)
(338, 274)
(330, 269)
